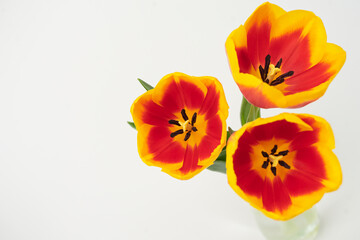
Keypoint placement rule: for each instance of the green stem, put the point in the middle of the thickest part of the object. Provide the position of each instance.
(248, 112)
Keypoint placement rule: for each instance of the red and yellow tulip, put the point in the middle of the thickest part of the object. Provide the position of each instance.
(282, 59)
(283, 165)
(181, 124)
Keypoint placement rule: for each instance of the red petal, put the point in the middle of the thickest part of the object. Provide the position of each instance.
(250, 183)
(171, 99)
(283, 200)
(258, 43)
(308, 79)
(190, 160)
(247, 179)
(303, 139)
(154, 114)
(268, 197)
(242, 160)
(258, 27)
(163, 146)
(310, 161)
(158, 138)
(294, 51)
(212, 137)
(210, 105)
(207, 146)
(242, 163)
(280, 129)
(193, 95)
(298, 183)
(214, 127)
(243, 59)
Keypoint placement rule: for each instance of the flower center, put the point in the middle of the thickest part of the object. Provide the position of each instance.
(186, 125)
(274, 159)
(270, 71)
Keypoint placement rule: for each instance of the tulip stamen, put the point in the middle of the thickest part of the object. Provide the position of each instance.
(174, 122)
(187, 126)
(281, 79)
(173, 134)
(278, 64)
(274, 159)
(270, 71)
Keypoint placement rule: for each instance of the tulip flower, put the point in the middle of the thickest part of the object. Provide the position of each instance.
(181, 124)
(283, 165)
(282, 59)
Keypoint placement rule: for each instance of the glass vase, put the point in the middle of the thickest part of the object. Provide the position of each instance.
(302, 227)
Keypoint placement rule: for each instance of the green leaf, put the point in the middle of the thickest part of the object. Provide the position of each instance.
(229, 132)
(132, 124)
(145, 84)
(222, 155)
(218, 166)
(248, 112)
(220, 162)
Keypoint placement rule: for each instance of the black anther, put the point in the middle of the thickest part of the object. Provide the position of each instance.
(273, 151)
(284, 164)
(277, 81)
(278, 64)
(173, 134)
(288, 74)
(265, 154)
(183, 114)
(193, 119)
(174, 122)
(178, 123)
(187, 135)
(265, 70)
(280, 78)
(273, 170)
(274, 154)
(267, 64)
(282, 153)
(262, 71)
(265, 164)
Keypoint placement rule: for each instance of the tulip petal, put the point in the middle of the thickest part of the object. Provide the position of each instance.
(299, 183)
(237, 52)
(320, 75)
(293, 41)
(257, 92)
(214, 101)
(258, 27)
(269, 166)
(279, 130)
(211, 143)
(321, 132)
(145, 111)
(157, 148)
(299, 38)
(310, 161)
(283, 199)
(243, 167)
(332, 167)
(268, 196)
(189, 168)
(181, 124)
(179, 92)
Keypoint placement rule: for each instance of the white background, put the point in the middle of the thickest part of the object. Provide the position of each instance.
(69, 167)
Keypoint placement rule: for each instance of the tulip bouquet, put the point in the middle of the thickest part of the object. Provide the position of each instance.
(281, 165)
